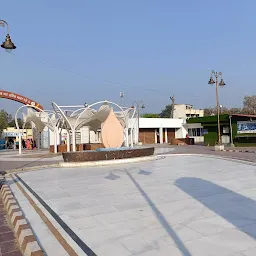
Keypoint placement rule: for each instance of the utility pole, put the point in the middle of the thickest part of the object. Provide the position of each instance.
(122, 98)
(173, 104)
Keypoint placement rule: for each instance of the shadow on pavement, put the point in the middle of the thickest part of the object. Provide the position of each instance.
(233, 207)
(160, 217)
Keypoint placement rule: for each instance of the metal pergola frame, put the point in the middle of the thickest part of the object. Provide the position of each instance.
(62, 121)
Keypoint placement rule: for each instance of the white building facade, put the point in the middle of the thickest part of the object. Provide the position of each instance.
(152, 131)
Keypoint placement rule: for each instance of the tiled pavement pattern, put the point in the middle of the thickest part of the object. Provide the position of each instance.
(178, 206)
(9, 159)
(8, 245)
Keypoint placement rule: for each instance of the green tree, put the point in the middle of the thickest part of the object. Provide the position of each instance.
(150, 115)
(223, 110)
(233, 111)
(13, 124)
(166, 113)
(249, 105)
(210, 111)
(5, 119)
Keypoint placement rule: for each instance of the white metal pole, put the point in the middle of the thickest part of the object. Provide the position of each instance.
(38, 140)
(68, 141)
(55, 140)
(19, 144)
(131, 136)
(73, 140)
(138, 112)
(126, 137)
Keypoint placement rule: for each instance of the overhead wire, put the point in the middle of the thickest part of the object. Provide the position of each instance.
(88, 77)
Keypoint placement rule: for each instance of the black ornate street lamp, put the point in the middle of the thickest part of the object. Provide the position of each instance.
(221, 84)
(8, 45)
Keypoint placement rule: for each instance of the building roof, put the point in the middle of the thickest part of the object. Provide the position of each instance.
(223, 118)
(244, 115)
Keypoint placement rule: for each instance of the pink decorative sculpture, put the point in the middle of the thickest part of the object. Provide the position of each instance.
(112, 132)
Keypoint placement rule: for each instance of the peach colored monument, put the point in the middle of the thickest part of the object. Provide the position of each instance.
(112, 132)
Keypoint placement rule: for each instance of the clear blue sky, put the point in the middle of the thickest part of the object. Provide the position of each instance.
(66, 50)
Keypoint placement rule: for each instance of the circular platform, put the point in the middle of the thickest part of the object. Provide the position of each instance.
(107, 154)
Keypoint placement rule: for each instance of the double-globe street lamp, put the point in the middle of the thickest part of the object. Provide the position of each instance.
(218, 83)
(8, 45)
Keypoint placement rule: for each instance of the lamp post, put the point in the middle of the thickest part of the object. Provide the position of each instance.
(139, 105)
(220, 83)
(8, 45)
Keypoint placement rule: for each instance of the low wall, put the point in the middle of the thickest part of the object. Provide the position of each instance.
(84, 156)
(80, 147)
(63, 148)
(93, 146)
(182, 141)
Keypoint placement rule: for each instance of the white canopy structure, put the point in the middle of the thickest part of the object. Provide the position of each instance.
(72, 118)
(39, 120)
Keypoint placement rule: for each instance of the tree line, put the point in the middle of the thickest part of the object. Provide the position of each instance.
(7, 120)
(249, 108)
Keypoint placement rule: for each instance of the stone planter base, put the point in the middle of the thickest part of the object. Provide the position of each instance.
(84, 156)
(219, 147)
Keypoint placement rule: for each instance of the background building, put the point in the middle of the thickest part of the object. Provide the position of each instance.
(12, 133)
(237, 129)
(160, 130)
(185, 111)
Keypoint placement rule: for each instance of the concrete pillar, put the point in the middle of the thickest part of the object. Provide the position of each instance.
(161, 134)
(166, 135)
(155, 136)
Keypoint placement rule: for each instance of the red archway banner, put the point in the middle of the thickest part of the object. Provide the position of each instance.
(19, 98)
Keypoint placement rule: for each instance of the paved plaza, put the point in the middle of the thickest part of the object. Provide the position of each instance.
(176, 205)
(10, 159)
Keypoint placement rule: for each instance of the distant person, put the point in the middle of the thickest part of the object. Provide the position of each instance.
(34, 144)
(27, 143)
(23, 144)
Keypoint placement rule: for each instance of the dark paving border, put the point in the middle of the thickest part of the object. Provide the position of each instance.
(68, 230)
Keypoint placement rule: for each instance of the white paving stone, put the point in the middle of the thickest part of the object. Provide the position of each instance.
(250, 252)
(179, 206)
(224, 243)
(164, 251)
(113, 249)
(217, 224)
